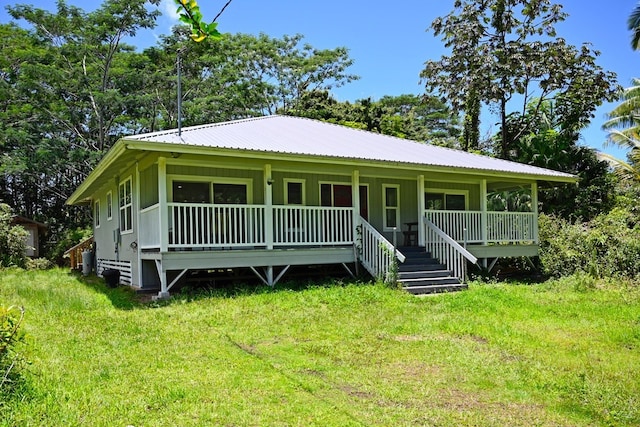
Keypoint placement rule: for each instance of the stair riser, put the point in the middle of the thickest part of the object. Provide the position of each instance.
(423, 274)
(419, 267)
(416, 283)
(436, 289)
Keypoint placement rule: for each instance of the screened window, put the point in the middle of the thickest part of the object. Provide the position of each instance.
(125, 205)
(339, 195)
(391, 203)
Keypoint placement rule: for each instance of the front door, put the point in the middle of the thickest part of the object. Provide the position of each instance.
(340, 196)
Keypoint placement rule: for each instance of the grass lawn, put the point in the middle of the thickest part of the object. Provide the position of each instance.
(558, 353)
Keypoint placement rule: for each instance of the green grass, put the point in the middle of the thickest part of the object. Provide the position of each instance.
(558, 353)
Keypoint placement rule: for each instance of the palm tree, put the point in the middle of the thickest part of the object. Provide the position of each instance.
(623, 125)
(633, 24)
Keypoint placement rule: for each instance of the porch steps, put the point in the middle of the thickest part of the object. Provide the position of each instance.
(421, 274)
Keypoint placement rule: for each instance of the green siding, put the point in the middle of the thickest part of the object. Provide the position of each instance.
(149, 187)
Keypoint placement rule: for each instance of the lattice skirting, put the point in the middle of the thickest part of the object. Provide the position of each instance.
(123, 266)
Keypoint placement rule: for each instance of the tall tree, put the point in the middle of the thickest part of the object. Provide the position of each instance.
(623, 126)
(505, 53)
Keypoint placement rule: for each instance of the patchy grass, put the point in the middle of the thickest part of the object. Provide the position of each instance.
(558, 353)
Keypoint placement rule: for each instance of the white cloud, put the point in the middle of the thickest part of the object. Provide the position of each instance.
(170, 9)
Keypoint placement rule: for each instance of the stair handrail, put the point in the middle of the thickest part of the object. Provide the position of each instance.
(450, 252)
(377, 254)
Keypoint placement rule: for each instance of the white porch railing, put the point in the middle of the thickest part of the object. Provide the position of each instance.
(376, 253)
(488, 227)
(193, 225)
(198, 225)
(312, 225)
(447, 250)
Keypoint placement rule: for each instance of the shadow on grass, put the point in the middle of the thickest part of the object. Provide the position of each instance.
(125, 298)
(122, 297)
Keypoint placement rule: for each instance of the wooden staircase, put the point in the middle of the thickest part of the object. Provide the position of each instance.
(422, 274)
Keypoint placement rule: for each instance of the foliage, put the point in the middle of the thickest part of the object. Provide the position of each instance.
(341, 354)
(190, 14)
(10, 335)
(69, 239)
(550, 144)
(38, 264)
(503, 52)
(607, 246)
(623, 125)
(13, 243)
(70, 86)
(425, 119)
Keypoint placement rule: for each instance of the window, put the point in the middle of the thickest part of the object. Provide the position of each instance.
(109, 206)
(235, 194)
(125, 205)
(191, 192)
(294, 192)
(391, 203)
(449, 201)
(96, 213)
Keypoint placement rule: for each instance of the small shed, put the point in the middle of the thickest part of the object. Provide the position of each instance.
(35, 229)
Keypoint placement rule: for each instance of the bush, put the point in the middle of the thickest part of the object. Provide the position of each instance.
(13, 240)
(607, 246)
(69, 240)
(38, 264)
(10, 335)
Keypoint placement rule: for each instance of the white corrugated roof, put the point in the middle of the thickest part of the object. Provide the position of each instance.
(295, 135)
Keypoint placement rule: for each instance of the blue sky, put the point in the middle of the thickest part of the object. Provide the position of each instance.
(389, 41)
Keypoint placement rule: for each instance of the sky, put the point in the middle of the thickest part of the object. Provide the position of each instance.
(390, 41)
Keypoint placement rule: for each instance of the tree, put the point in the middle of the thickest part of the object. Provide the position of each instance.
(506, 52)
(549, 144)
(623, 125)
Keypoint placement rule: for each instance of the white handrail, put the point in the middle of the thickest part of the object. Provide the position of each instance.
(375, 252)
(447, 250)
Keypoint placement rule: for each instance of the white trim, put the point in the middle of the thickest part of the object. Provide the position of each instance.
(109, 205)
(302, 182)
(130, 205)
(385, 226)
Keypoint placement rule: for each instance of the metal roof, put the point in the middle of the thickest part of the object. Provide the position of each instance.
(301, 136)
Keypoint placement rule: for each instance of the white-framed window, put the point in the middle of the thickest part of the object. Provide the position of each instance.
(294, 192)
(125, 205)
(96, 213)
(447, 200)
(109, 206)
(391, 206)
(340, 195)
(197, 189)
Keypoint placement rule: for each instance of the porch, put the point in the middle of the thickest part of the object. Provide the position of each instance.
(187, 236)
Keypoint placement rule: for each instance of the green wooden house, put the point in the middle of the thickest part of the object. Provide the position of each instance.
(278, 191)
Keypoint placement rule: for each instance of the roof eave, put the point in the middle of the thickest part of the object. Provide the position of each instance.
(236, 152)
(78, 197)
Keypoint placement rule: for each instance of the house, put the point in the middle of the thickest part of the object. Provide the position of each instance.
(35, 230)
(272, 192)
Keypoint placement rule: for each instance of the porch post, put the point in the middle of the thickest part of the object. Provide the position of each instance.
(355, 196)
(268, 202)
(483, 211)
(421, 209)
(162, 200)
(534, 209)
(138, 250)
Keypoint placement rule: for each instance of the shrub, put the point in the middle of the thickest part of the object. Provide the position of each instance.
(39, 264)
(13, 240)
(10, 335)
(607, 246)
